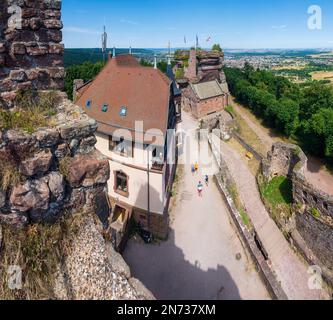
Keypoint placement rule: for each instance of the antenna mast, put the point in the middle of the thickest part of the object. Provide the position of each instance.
(104, 44)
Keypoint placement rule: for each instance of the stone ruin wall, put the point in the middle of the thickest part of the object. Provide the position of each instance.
(282, 159)
(59, 167)
(31, 53)
(289, 160)
(317, 232)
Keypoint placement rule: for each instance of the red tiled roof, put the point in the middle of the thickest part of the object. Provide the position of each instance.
(144, 91)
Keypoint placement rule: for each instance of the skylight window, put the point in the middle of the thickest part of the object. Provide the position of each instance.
(123, 111)
(88, 104)
(105, 107)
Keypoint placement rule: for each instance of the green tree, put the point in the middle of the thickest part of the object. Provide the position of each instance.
(287, 116)
(315, 97)
(86, 71)
(217, 47)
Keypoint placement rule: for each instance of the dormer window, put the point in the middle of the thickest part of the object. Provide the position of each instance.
(88, 104)
(105, 107)
(123, 111)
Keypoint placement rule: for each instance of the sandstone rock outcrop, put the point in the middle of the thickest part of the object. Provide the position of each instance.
(202, 66)
(38, 164)
(88, 170)
(210, 65)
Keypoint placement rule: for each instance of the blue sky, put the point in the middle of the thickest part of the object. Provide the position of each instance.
(233, 23)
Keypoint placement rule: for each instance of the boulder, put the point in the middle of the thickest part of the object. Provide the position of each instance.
(47, 137)
(81, 129)
(87, 145)
(88, 170)
(32, 195)
(56, 185)
(62, 151)
(38, 164)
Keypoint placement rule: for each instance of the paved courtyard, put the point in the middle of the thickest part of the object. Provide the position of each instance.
(203, 257)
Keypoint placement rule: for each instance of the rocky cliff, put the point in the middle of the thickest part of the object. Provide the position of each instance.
(210, 65)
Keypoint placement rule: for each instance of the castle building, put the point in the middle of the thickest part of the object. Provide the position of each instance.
(206, 98)
(205, 90)
(134, 107)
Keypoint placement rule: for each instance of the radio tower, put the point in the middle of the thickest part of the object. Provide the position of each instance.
(104, 44)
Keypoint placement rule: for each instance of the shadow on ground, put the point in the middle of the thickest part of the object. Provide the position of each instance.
(164, 270)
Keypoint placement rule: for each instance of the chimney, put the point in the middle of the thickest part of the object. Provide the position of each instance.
(155, 61)
(114, 53)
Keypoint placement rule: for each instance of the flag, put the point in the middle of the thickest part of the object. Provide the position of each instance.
(208, 39)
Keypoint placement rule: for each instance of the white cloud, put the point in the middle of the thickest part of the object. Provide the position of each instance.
(80, 30)
(129, 22)
(280, 27)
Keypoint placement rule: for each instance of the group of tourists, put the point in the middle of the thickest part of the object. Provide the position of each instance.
(200, 186)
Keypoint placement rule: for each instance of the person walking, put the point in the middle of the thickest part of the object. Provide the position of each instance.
(196, 167)
(207, 180)
(200, 188)
(192, 169)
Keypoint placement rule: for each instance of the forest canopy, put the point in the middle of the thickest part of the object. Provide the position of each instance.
(303, 112)
(86, 71)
